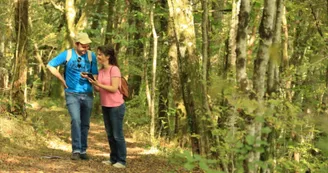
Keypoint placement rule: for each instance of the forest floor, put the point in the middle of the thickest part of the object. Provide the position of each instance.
(22, 149)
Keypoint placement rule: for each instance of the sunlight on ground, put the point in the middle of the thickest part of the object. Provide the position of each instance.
(34, 105)
(58, 145)
(152, 150)
(12, 160)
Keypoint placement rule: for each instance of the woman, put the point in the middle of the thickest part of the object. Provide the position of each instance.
(113, 106)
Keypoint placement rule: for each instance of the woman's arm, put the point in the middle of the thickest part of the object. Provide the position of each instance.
(110, 88)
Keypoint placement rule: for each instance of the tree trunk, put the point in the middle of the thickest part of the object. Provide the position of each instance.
(241, 53)
(153, 86)
(4, 79)
(273, 83)
(110, 22)
(70, 12)
(233, 33)
(20, 67)
(175, 79)
(241, 50)
(164, 84)
(206, 122)
(188, 64)
(261, 61)
(273, 70)
(285, 59)
(260, 69)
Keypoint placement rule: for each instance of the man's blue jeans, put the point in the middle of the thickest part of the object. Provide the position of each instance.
(113, 120)
(79, 106)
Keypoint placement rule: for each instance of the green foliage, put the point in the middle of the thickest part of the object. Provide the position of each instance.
(136, 118)
(198, 162)
(286, 130)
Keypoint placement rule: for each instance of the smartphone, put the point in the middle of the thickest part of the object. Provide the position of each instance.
(89, 75)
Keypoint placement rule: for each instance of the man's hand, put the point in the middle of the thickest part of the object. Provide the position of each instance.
(84, 75)
(56, 73)
(64, 84)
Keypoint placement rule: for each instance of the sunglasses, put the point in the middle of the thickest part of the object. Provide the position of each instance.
(79, 62)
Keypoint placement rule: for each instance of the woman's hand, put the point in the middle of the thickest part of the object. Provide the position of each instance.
(93, 82)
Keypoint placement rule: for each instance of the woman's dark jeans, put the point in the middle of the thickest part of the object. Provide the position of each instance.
(113, 120)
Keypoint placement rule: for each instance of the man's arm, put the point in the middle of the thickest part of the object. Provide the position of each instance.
(56, 73)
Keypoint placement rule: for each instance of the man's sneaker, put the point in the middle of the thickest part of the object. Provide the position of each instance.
(84, 156)
(75, 156)
(119, 165)
(107, 162)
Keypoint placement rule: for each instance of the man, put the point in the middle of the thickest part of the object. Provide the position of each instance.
(78, 90)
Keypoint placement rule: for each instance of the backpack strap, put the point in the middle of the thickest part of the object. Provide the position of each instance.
(90, 56)
(110, 72)
(90, 59)
(69, 55)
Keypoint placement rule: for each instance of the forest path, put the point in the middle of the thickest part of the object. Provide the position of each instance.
(56, 158)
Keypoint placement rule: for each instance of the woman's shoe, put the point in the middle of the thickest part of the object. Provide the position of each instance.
(107, 162)
(119, 165)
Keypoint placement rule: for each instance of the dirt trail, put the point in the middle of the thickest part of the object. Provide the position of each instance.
(57, 159)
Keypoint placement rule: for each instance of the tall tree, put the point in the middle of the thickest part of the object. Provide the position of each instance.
(110, 22)
(241, 50)
(70, 12)
(274, 61)
(164, 77)
(233, 33)
(260, 70)
(188, 64)
(154, 69)
(285, 58)
(205, 124)
(18, 94)
(174, 73)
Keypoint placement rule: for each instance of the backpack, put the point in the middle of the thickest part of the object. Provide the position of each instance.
(69, 56)
(124, 89)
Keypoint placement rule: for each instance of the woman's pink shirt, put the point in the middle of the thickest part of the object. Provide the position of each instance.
(110, 99)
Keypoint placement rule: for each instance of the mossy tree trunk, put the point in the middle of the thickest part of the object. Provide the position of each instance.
(18, 93)
(188, 66)
(259, 79)
(164, 84)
